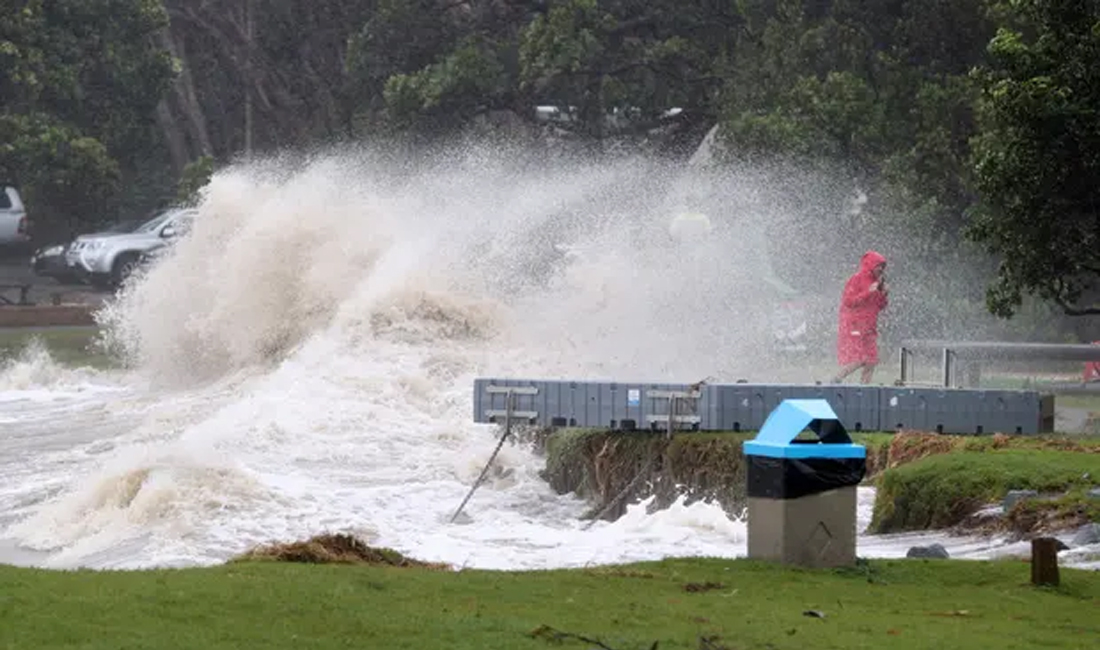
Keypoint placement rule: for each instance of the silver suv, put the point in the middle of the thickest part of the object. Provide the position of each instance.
(14, 226)
(107, 259)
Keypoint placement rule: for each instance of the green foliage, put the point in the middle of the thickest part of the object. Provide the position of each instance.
(877, 88)
(1037, 158)
(613, 65)
(195, 176)
(565, 40)
(819, 98)
(941, 490)
(401, 38)
(672, 604)
(455, 88)
(55, 166)
(78, 84)
(90, 64)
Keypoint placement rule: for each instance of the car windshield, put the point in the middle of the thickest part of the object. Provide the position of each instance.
(181, 222)
(124, 226)
(155, 222)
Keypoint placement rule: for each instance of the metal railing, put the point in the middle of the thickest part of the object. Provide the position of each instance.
(23, 289)
(975, 352)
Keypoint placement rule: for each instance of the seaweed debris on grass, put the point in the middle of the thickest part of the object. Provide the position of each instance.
(339, 548)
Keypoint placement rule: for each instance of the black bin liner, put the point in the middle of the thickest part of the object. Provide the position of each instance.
(791, 478)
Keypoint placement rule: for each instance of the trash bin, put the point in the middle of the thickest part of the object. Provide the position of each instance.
(802, 493)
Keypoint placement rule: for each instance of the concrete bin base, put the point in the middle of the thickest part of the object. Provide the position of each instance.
(817, 530)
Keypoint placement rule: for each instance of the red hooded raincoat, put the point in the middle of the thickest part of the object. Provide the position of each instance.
(857, 336)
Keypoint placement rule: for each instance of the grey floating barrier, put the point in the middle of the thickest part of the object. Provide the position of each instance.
(802, 493)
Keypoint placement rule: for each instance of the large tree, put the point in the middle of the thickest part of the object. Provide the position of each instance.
(831, 100)
(613, 68)
(258, 75)
(79, 82)
(1037, 159)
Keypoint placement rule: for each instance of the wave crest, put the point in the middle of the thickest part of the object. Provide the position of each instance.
(425, 317)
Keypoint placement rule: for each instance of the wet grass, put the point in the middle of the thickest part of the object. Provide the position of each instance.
(68, 346)
(673, 604)
(941, 490)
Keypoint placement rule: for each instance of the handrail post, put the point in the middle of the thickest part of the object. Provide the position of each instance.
(905, 356)
(948, 367)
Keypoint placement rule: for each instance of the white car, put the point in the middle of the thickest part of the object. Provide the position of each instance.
(107, 259)
(14, 225)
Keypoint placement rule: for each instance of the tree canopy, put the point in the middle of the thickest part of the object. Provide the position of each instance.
(1037, 155)
(953, 117)
(79, 85)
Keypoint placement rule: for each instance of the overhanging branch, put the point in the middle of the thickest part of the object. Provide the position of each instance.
(1070, 310)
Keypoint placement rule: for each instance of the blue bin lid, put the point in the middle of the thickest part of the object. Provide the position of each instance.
(793, 416)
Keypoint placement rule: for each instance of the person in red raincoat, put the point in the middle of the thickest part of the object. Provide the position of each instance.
(1092, 369)
(865, 296)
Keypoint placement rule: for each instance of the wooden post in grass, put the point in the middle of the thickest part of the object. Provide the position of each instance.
(1044, 561)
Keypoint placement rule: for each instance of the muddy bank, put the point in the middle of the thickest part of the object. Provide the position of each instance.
(1034, 515)
(612, 469)
(973, 485)
(916, 491)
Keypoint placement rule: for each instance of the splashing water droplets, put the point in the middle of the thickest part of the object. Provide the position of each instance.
(302, 361)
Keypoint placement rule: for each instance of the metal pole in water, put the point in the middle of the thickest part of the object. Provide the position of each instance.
(671, 414)
(508, 407)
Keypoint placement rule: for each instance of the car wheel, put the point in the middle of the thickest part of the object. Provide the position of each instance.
(124, 266)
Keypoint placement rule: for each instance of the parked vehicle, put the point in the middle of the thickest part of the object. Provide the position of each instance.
(150, 257)
(107, 259)
(15, 227)
(49, 261)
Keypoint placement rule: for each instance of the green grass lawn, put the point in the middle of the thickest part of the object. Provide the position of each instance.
(682, 603)
(70, 346)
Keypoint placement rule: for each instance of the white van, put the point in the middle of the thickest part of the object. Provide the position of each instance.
(14, 225)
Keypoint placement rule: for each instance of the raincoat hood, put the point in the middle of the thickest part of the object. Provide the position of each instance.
(870, 260)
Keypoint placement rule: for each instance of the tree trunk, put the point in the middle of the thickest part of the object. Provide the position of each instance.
(249, 30)
(186, 103)
(177, 141)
